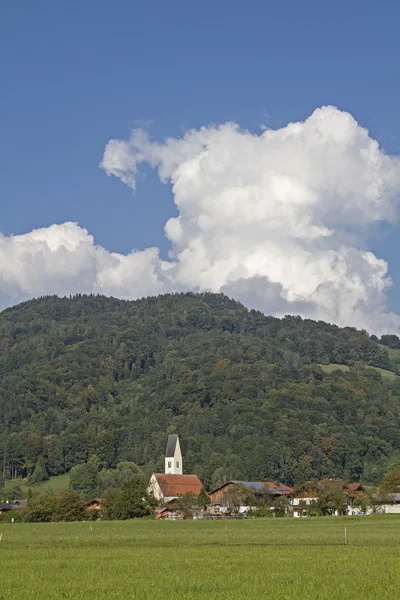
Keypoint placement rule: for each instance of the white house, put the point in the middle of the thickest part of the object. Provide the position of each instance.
(392, 508)
(301, 506)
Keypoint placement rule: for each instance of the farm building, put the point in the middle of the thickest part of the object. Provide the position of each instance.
(256, 487)
(239, 496)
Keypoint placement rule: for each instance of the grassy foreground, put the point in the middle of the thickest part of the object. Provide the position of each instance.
(274, 558)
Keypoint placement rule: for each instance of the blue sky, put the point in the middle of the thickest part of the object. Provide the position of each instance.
(76, 74)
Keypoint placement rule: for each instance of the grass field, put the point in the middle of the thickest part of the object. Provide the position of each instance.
(53, 485)
(279, 559)
(384, 372)
(335, 367)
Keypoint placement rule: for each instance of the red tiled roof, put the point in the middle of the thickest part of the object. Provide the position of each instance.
(281, 487)
(355, 486)
(178, 485)
(97, 501)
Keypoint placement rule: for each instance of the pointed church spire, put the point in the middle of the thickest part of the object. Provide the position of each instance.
(173, 456)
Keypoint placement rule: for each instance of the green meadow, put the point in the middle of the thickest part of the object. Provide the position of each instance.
(272, 558)
(53, 485)
(335, 367)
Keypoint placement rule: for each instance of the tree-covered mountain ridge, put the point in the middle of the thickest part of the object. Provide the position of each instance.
(91, 375)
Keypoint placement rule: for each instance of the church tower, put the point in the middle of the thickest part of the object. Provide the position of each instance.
(173, 456)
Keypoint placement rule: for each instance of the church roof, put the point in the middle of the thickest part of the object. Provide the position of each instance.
(171, 444)
(178, 485)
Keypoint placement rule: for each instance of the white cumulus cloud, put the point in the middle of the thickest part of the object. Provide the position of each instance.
(63, 259)
(279, 220)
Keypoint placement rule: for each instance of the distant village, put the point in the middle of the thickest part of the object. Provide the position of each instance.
(177, 496)
(241, 498)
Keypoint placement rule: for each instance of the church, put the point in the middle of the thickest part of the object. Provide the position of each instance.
(173, 484)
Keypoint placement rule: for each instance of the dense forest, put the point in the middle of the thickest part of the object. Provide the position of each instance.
(248, 394)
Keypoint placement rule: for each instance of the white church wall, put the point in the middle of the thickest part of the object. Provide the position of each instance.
(154, 488)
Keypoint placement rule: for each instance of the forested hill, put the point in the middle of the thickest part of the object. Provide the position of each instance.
(95, 375)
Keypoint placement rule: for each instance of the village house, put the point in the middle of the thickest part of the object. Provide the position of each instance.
(392, 507)
(5, 507)
(168, 513)
(22, 503)
(96, 504)
(302, 506)
(173, 484)
(215, 509)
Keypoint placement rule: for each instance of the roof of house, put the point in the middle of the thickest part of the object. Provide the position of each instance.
(6, 506)
(355, 487)
(98, 500)
(256, 485)
(178, 485)
(171, 445)
(259, 486)
(22, 503)
(280, 487)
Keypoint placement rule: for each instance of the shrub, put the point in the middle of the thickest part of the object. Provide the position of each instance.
(41, 509)
(69, 507)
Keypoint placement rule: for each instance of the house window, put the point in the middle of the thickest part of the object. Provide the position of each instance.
(169, 464)
(177, 464)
